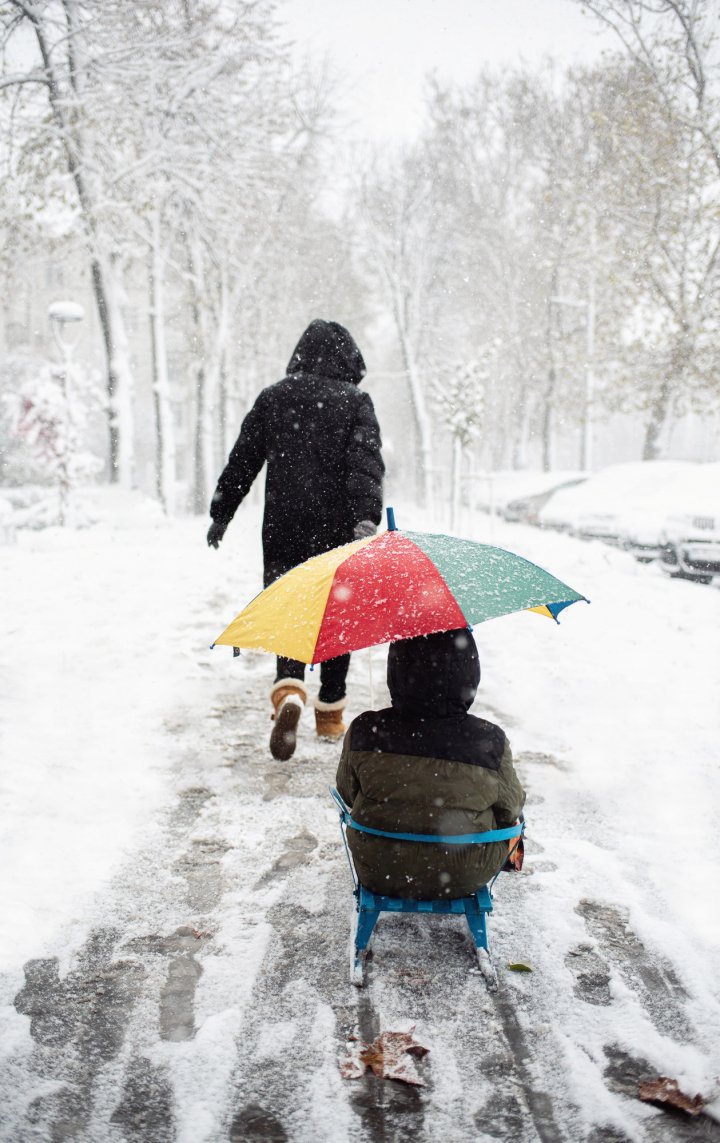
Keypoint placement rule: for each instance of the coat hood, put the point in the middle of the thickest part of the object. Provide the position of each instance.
(434, 676)
(326, 348)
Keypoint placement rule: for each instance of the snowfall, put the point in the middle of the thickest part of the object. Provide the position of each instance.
(176, 905)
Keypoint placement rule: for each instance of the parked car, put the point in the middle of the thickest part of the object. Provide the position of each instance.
(496, 491)
(689, 539)
(601, 507)
(640, 533)
(690, 547)
(525, 509)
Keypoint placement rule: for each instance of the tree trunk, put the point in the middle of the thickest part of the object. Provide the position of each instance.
(119, 374)
(547, 430)
(201, 478)
(586, 439)
(672, 382)
(422, 420)
(223, 412)
(521, 427)
(547, 421)
(457, 456)
(659, 412)
(110, 378)
(216, 396)
(105, 288)
(164, 427)
(200, 494)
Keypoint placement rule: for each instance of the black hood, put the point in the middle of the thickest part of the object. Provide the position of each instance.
(433, 676)
(326, 348)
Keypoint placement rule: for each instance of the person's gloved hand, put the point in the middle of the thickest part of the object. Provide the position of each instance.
(364, 529)
(215, 534)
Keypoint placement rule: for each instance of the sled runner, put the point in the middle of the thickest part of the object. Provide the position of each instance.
(369, 906)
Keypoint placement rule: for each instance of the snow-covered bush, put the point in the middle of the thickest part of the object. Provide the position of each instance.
(460, 398)
(47, 420)
(7, 522)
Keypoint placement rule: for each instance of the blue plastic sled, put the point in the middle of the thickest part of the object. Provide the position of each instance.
(369, 906)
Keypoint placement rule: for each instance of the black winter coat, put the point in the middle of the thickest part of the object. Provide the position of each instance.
(320, 438)
(425, 765)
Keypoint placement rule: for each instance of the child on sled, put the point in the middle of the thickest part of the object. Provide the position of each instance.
(427, 766)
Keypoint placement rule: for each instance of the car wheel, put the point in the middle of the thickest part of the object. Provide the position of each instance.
(668, 555)
(688, 576)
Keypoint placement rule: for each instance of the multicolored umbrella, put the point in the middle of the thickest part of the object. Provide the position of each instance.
(392, 586)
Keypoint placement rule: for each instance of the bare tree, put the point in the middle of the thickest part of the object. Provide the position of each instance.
(69, 73)
(510, 154)
(403, 247)
(484, 184)
(665, 196)
(172, 121)
(676, 41)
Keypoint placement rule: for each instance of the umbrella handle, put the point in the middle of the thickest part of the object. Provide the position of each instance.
(370, 678)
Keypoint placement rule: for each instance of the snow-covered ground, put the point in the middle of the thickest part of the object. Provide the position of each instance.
(175, 903)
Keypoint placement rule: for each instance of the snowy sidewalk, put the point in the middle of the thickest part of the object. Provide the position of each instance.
(176, 928)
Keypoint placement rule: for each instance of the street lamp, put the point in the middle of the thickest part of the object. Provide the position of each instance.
(65, 318)
(589, 308)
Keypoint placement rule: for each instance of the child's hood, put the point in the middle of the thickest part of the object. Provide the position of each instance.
(434, 676)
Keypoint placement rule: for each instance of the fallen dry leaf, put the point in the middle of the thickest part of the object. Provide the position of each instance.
(387, 1057)
(665, 1090)
(352, 1066)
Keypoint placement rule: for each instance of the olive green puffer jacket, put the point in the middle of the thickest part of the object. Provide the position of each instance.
(427, 766)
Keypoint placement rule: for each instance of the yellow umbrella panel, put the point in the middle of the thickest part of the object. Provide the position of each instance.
(286, 617)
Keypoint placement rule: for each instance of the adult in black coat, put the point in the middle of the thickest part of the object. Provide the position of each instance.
(318, 433)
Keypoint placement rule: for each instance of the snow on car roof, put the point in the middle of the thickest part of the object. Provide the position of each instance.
(641, 484)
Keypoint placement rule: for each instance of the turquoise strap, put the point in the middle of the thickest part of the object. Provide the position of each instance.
(441, 838)
(432, 838)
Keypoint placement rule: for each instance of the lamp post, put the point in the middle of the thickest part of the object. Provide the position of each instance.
(65, 318)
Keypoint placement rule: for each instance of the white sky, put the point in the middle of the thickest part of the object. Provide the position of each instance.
(383, 49)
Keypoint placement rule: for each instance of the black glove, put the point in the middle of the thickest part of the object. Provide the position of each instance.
(364, 529)
(215, 534)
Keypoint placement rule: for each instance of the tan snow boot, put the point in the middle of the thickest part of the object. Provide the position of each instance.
(328, 719)
(288, 697)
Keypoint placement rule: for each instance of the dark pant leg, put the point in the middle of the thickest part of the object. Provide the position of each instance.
(286, 668)
(289, 669)
(333, 673)
(273, 571)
